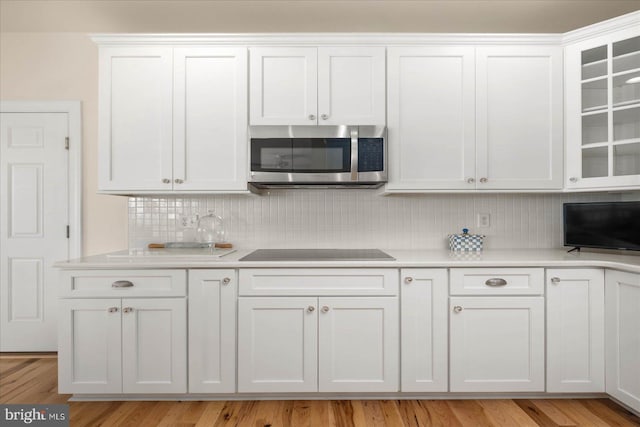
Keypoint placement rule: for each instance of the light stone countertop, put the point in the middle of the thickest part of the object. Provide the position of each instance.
(200, 258)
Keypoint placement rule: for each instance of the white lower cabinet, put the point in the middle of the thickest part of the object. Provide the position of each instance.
(309, 344)
(575, 330)
(212, 331)
(622, 308)
(423, 330)
(496, 344)
(128, 345)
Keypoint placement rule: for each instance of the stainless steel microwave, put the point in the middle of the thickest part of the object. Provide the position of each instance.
(318, 156)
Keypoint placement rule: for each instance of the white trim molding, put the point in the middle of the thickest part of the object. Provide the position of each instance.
(333, 39)
(630, 20)
(74, 111)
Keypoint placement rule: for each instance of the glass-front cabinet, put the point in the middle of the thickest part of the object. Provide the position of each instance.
(603, 111)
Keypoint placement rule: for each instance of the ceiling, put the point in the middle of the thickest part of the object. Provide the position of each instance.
(239, 16)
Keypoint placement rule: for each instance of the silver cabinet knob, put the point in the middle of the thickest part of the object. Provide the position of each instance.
(112, 309)
(311, 309)
(408, 280)
(127, 309)
(471, 180)
(226, 281)
(325, 308)
(178, 181)
(495, 282)
(324, 117)
(312, 117)
(457, 309)
(122, 284)
(555, 280)
(573, 179)
(166, 181)
(483, 180)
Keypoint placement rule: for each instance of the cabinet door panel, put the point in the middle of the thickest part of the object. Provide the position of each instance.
(89, 346)
(212, 331)
(351, 86)
(423, 326)
(358, 342)
(283, 86)
(431, 118)
(575, 330)
(622, 302)
(135, 117)
(154, 345)
(519, 117)
(277, 344)
(210, 118)
(497, 344)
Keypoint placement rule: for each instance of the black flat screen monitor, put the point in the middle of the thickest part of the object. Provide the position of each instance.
(610, 225)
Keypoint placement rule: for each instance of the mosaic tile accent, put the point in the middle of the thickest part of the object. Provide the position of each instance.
(358, 219)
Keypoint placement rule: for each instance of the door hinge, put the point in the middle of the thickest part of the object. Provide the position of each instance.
(68, 231)
(66, 143)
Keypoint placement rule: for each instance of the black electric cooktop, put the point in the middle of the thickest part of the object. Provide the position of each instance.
(317, 255)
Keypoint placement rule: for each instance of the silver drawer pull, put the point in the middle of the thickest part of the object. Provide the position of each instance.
(408, 280)
(127, 309)
(122, 284)
(496, 282)
(555, 280)
(325, 309)
(457, 309)
(311, 309)
(113, 309)
(226, 281)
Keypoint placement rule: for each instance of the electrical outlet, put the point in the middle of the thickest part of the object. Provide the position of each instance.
(187, 221)
(484, 220)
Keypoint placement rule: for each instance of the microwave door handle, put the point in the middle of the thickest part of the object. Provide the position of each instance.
(354, 154)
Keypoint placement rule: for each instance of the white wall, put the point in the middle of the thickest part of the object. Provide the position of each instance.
(45, 51)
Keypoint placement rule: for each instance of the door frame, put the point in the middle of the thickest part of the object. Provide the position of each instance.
(73, 109)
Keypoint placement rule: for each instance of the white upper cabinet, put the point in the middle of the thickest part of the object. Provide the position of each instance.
(323, 86)
(603, 110)
(519, 135)
(465, 118)
(431, 118)
(173, 119)
(135, 118)
(210, 119)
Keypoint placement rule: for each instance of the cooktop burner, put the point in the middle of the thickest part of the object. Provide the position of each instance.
(317, 255)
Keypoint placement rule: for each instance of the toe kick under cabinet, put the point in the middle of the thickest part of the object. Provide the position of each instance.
(318, 330)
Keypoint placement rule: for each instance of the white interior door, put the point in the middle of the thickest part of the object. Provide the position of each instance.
(33, 226)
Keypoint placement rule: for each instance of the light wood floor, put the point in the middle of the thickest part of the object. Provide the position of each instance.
(33, 379)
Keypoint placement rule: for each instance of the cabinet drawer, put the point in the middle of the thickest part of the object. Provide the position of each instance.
(123, 283)
(496, 281)
(318, 281)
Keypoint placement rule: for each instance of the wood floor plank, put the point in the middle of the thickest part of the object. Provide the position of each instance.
(555, 414)
(504, 412)
(611, 418)
(341, 413)
(469, 413)
(210, 414)
(578, 413)
(391, 413)
(90, 413)
(34, 380)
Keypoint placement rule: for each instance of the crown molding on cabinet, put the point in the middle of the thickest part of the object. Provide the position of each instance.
(630, 20)
(314, 39)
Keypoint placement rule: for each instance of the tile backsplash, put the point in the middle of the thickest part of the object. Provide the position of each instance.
(358, 218)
